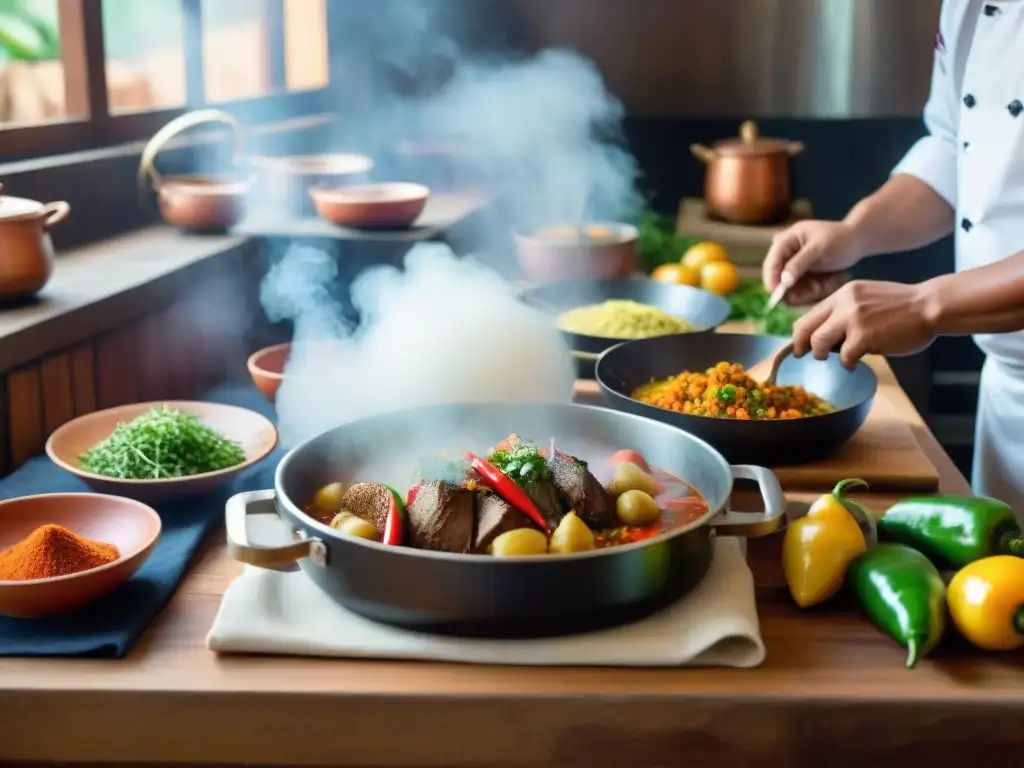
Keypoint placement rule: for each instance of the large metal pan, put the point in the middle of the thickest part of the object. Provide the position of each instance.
(479, 594)
(768, 443)
(702, 309)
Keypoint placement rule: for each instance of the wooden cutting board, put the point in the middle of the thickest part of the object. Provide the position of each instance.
(884, 453)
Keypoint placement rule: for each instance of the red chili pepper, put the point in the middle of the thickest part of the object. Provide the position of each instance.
(410, 497)
(394, 526)
(506, 487)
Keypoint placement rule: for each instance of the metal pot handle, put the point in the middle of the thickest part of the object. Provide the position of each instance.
(147, 170)
(755, 524)
(238, 508)
(703, 153)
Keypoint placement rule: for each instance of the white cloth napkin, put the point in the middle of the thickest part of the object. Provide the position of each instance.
(285, 613)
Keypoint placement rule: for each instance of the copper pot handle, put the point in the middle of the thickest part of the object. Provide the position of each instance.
(795, 148)
(55, 212)
(702, 153)
(147, 170)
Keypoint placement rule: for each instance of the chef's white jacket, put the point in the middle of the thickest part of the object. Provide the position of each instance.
(974, 158)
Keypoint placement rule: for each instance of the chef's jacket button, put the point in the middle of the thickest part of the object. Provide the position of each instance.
(969, 101)
(966, 145)
(991, 10)
(966, 225)
(1015, 107)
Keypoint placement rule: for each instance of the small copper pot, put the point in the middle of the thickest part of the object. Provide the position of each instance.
(748, 179)
(196, 202)
(288, 179)
(26, 251)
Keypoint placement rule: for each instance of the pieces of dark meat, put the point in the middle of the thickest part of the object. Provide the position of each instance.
(495, 516)
(441, 518)
(545, 497)
(369, 501)
(578, 489)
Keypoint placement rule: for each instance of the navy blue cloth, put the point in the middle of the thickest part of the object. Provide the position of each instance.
(110, 627)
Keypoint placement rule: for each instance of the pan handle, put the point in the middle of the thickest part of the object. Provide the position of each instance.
(236, 512)
(755, 524)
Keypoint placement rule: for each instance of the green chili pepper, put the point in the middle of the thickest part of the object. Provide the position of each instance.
(953, 531)
(903, 595)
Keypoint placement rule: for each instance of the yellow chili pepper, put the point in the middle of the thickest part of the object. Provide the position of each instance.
(818, 547)
(986, 602)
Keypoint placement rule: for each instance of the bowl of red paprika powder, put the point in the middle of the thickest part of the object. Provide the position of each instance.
(62, 551)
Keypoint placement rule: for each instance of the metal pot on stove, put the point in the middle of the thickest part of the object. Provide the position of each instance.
(482, 594)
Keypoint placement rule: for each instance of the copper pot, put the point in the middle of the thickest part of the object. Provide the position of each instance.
(212, 202)
(26, 251)
(748, 179)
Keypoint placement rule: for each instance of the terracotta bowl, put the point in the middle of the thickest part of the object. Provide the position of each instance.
(388, 205)
(266, 366)
(202, 202)
(253, 432)
(289, 178)
(130, 525)
(557, 254)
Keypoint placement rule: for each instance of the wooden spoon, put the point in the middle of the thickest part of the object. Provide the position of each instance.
(767, 371)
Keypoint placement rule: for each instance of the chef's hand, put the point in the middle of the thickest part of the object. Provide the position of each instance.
(868, 318)
(806, 257)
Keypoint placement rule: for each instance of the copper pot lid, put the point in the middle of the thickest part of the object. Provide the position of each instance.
(751, 143)
(19, 208)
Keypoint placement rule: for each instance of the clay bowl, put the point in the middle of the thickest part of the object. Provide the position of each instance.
(594, 250)
(266, 366)
(388, 205)
(253, 432)
(289, 178)
(202, 202)
(130, 525)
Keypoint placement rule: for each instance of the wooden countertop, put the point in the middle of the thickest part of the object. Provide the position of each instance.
(828, 675)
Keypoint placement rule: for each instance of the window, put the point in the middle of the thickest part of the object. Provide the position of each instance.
(77, 74)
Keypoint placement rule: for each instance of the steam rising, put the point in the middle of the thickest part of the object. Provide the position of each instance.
(444, 330)
(541, 132)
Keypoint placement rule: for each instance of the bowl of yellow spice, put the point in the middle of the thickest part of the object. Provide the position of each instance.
(62, 551)
(595, 315)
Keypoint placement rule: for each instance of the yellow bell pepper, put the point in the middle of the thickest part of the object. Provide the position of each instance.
(986, 602)
(818, 547)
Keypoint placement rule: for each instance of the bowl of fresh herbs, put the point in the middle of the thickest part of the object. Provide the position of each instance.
(158, 451)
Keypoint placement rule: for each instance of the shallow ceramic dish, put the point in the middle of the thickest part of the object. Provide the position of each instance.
(253, 432)
(388, 205)
(129, 525)
(703, 310)
(556, 254)
(266, 366)
(288, 179)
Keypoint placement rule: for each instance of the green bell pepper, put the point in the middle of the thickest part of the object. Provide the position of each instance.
(903, 595)
(953, 531)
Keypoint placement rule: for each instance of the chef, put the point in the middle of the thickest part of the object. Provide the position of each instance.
(966, 177)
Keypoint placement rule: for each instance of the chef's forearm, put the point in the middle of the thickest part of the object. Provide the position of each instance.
(904, 214)
(987, 299)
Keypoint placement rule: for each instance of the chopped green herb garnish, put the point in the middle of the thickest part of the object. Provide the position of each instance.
(521, 461)
(750, 301)
(161, 443)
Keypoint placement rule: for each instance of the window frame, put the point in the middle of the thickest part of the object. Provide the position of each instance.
(84, 64)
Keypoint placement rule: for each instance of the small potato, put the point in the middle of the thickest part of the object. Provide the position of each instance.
(629, 477)
(571, 535)
(340, 518)
(522, 542)
(637, 508)
(356, 526)
(327, 500)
